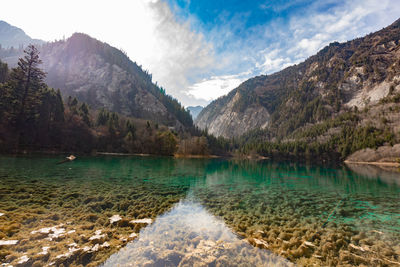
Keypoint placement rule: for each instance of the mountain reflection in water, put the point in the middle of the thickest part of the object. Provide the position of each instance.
(188, 235)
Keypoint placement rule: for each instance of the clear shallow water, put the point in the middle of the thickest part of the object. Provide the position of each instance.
(214, 212)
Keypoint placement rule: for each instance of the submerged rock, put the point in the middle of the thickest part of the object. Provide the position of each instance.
(105, 245)
(45, 251)
(8, 242)
(145, 221)
(115, 218)
(1, 214)
(98, 237)
(54, 232)
(23, 259)
(309, 244)
(260, 243)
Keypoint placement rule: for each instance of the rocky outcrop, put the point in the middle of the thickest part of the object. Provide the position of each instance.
(227, 121)
(341, 76)
(381, 154)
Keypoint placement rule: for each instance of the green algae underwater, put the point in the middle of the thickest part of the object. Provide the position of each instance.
(160, 211)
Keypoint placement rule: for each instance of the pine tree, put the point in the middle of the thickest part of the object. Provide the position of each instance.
(25, 85)
(84, 112)
(3, 72)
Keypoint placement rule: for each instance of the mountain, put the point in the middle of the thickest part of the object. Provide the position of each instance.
(342, 76)
(104, 77)
(194, 111)
(11, 36)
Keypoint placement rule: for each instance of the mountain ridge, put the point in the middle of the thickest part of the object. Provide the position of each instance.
(105, 77)
(340, 76)
(11, 36)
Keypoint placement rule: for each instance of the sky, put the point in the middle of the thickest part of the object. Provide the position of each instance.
(199, 50)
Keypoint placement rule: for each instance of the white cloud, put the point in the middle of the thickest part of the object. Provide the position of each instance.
(183, 55)
(216, 86)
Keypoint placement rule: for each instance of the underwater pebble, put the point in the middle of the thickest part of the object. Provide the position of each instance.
(133, 235)
(57, 233)
(378, 232)
(1, 214)
(98, 236)
(95, 248)
(71, 251)
(45, 251)
(115, 218)
(146, 221)
(260, 242)
(356, 247)
(8, 242)
(105, 245)
(54, 232)
(309, 244)
(23, 259)
(86, 248)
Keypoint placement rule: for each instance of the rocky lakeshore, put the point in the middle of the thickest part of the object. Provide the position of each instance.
(388, 156)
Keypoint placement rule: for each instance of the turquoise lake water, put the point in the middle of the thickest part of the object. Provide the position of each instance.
(210, 212)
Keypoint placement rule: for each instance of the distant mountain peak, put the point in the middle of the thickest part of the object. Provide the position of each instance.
(195, 110)
(11, 36)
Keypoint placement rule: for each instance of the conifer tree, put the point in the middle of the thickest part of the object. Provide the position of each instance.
(25, 85)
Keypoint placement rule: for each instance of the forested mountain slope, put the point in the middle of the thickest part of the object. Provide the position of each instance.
(104, 77)
(340, 77)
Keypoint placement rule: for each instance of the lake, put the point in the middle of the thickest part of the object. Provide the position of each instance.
(161, 211)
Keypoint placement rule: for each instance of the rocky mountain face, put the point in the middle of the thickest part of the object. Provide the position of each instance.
(104, 77)
(341, 76)
(194, 111)
(11, 36)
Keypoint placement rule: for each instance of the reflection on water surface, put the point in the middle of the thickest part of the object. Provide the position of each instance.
(188, 235)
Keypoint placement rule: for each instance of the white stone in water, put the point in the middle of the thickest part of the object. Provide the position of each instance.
(1, 214)
(105, 245)
(45, 230)
(378, 232)
(71, 232)
(45, 251)
(95, 248)
(23, 259)
(86, 248)
(72, 245)
(146, 221)
(8, 242)
(115, 218)
(133, 235)
(68, 254)
(52, 232)
(97, 236)
(57, 233)
(261, 242)
(309, 244)
(356, 247)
